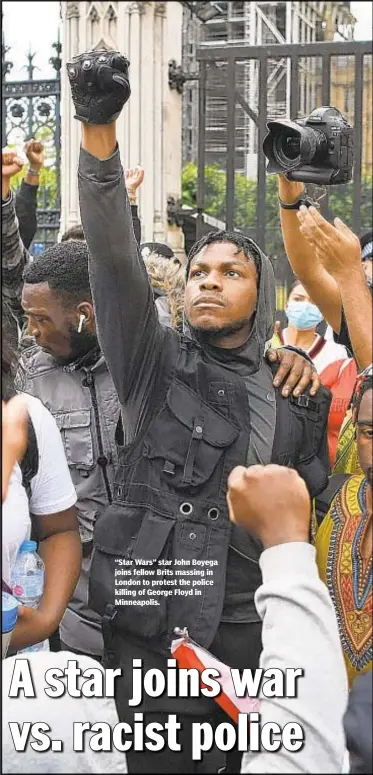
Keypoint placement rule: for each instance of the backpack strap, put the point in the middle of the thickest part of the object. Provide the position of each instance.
(324, 500)
(30, 462)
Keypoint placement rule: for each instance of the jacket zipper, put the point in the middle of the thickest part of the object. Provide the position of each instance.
(102, 459)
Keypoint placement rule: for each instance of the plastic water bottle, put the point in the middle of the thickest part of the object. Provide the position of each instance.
(9, 613)
(28, 583)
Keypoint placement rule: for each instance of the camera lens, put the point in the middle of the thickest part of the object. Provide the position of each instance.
(292, 149)
(286, 148)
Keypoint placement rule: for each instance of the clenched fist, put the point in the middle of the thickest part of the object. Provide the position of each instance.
(10, 165)
(34, 151)
(271, 502)
(99, 85)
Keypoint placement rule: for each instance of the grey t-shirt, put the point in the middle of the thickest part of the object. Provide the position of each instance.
(262, 402)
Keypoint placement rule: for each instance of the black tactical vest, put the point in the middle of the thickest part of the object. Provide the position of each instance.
(170, 493)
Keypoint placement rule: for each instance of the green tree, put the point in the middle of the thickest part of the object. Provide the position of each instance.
(340, 202)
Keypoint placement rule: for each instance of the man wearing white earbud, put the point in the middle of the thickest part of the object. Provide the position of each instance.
(67, 371)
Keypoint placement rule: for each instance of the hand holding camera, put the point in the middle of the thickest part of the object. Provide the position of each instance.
(99, 86)
(318, 149)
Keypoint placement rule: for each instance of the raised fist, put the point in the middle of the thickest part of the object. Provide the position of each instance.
(34, 151)
(10, 163)
(271, 502)
(99, 85)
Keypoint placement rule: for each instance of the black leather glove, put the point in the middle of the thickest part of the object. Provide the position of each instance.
(99, 85)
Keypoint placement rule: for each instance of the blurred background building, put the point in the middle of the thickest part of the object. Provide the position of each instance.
(257, 23)
(149, 129)
(159, 127)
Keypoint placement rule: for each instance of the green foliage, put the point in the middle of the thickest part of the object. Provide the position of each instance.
(47, 186)
(340, 202)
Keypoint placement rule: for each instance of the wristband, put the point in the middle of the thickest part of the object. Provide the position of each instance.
(302, 200)
(30, 171)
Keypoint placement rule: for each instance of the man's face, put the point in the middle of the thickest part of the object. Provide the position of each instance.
(53, 327)
(365, 434)
(221, 292)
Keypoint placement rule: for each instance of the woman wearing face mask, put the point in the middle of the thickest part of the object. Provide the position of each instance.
(337, 371)
(303, 318)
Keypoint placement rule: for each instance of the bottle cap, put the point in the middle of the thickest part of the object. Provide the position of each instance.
(9, 612)
(28, 546)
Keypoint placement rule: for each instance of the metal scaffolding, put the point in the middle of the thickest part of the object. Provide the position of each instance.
(251, 24)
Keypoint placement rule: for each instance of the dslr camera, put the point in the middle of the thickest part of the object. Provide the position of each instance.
(318, 149)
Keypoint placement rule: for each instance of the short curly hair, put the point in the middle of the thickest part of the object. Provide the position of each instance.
(243, 244)
(65, 268)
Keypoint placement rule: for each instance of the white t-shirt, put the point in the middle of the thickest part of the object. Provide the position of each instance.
(61, 714)
(52, 489)
(322, 351)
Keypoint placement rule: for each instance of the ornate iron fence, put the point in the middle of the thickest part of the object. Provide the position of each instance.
(240, 89)
(31, 108)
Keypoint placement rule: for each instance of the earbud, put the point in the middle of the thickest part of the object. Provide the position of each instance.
(81, 321)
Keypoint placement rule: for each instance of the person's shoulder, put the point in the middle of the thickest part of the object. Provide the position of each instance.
(338, 351)
(39, 414)
(44, 424)
(352, 485)
(347, 486)
(34, 361)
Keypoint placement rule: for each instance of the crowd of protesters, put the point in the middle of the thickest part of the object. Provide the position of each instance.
(152, 413)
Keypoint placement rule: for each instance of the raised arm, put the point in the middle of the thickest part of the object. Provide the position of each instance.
(14, 254)
(26, 199)
(305, 263)
(127, 322)
(339, 250)
(134, 179)
(292, 598)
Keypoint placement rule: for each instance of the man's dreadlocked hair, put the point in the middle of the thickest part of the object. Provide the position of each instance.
(364, 382)
(243, 244)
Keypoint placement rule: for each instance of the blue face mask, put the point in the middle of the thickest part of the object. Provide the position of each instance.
(303, 315)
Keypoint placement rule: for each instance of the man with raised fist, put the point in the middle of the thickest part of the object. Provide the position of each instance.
(194, 406)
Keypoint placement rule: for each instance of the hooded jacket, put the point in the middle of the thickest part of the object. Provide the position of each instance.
(189, 416)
